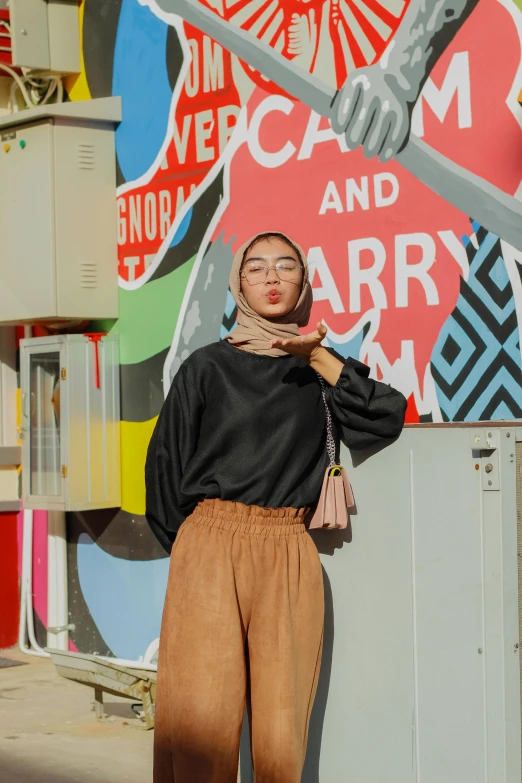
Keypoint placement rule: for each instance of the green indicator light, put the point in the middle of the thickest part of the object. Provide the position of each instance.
(22, 144)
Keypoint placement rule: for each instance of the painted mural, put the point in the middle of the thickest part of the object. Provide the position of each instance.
(210, 151)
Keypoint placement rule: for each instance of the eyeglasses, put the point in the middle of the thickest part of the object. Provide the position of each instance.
(256, 272)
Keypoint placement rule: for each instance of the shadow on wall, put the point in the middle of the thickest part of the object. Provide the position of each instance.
(315, 733)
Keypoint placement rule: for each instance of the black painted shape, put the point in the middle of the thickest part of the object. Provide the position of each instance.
(174, 56)
(500, 297)
(119, 534)
(502, 395)
(86, 635)
(142, 387)
(100, 25)
(120, 179)
(203, 211)
(40, 631)
(451, 350)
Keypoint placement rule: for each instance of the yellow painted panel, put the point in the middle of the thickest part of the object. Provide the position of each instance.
(77, 86)
(135, 437)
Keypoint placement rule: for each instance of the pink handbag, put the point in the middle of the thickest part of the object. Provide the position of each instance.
(336, 495)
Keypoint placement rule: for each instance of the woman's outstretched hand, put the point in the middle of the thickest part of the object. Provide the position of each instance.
(305, 346)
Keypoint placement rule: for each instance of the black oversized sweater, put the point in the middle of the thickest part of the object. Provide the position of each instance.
(252, 428)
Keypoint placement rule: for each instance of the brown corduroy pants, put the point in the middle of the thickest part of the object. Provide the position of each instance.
(243, 614)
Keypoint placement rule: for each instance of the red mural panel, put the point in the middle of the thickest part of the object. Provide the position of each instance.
(205, 116)
(9, 588)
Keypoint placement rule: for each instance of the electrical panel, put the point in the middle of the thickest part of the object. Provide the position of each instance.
(58, 219)
(45, 35)
(70, 422)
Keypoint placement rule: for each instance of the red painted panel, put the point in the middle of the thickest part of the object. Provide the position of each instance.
(9, 590)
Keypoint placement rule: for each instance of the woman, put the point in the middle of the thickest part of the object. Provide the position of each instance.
(235, 461)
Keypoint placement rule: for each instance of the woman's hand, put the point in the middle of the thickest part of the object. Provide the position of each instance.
(305, 346)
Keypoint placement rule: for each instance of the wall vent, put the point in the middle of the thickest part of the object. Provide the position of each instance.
(89, 275)
(85, 156)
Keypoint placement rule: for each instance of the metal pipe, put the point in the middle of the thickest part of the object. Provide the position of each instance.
(26, 627)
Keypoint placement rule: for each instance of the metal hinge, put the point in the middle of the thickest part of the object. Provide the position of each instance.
(484, 444)
(64, 471)
(63, 374)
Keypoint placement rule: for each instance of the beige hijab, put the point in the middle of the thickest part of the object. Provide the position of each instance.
(255, 333)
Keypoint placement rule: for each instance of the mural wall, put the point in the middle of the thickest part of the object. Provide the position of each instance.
(210, 152)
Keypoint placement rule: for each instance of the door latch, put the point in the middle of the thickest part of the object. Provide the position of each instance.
(484, 445)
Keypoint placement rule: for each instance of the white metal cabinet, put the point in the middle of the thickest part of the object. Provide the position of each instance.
(71, 423)
(27, 266)
(58, 213)
(420, 673)
(45, 34)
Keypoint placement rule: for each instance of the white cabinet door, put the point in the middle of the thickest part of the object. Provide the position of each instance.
(27, 268)
(43, 408)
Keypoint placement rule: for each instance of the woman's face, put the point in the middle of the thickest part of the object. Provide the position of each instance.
(271, 297)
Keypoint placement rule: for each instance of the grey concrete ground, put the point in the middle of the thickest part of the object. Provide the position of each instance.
(49, 734)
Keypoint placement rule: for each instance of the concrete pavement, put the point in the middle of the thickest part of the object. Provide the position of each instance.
(49, 734)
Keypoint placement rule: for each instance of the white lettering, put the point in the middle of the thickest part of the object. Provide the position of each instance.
(213, 70)
(368, 276)
(457, 81)
(457, 250)
(181, 142)
(150, 215)
(224, 128)
(328, 290)
(192, 78)
(269, 160)
(378, 181)
(122, 223)
(165, 212)
(353, 191)
(385, 193)
(131, 262)
(313, 135)
(204, 121)
(331, 199)
(419, 271)
(135, 218)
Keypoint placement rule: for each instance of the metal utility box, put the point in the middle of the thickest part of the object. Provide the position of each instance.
(58, 219)
(45, 35)
(70, 422)
(420, 673)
